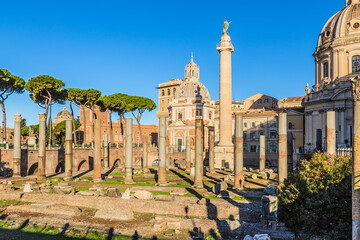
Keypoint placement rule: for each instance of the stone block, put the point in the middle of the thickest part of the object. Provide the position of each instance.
(166, 198)
(261, 237)
(270, 190)
(254, 176)
(269, 207)
(122, 214)
(2, 187)
(143, 195)
(160, 226)
(113, 192)
(179, 191)
(248, 237)
(265, 176)
(217, 188)
(27, 188)
(63, 184)
(202, 201)
(126, 194)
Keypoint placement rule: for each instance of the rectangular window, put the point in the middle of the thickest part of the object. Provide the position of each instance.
(252, 135)
(273, 134)
(253, 124)
(245, 147)
(266, 101)
(253, 148)
(273, 124)
(245, 125)
(262, 125)
(326, 69)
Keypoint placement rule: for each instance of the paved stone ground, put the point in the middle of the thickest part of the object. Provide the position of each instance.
(179, 217)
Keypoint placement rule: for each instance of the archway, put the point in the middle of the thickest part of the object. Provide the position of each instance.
(60, 167)
(33, 169)
(83, 166)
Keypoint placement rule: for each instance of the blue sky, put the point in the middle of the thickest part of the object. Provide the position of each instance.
(132, 46)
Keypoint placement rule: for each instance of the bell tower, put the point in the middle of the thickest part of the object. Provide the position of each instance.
(192, 71)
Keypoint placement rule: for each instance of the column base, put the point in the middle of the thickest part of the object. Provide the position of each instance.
(161, 176)
(239, 181)
(198, 184)
(224, 155)
(188, 166)
(128, 176)
(129, 181)
(192, 171)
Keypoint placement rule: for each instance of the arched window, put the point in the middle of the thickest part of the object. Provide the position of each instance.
(326, 69)
(179, 116)
(174, 91)
(163, 92)
(356, 64)
(169, 91)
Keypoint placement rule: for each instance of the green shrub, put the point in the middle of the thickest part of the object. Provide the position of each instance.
(317, 197)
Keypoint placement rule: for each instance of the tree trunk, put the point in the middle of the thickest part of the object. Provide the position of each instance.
(138, 122)
(73, 123)
(111, 128)
(4, 119)
(84, 119)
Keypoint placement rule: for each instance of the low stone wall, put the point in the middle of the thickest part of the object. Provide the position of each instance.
(83, 159)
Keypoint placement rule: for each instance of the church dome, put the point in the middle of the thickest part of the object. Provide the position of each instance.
(192, 71)
(63, 115)
(337, 55)
(193, 89)
(345, 23)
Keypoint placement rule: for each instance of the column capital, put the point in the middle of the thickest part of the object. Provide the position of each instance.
(356, 89)
(42, 117)
(17, 117)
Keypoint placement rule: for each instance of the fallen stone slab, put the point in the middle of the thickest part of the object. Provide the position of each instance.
(48, 208)
(217, 188)
(143, 195)
(122, 214)
(113, 192)
(179, 192)
(166, 198)
(126, 194)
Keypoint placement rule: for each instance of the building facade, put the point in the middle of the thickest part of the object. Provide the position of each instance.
(181, 101)
(337, 64)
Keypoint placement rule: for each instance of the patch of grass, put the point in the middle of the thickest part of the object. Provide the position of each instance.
(5, 202)
(82, 188)
(160, 193)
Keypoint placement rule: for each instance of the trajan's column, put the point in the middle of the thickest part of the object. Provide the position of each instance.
(224, 151)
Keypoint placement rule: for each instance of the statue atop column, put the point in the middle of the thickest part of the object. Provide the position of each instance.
(226, 26)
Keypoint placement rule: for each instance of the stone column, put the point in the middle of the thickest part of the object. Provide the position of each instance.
(145, 154)
(225, 49)
(167, 143)
(106, 151)
(342, 125)
(199, 149)
(97, 150)
(188, 154)
(262, 153)
(356, 164)
(239, 150)
(17, 146)
(129, 152)
(42, 146)
(162, 151)
(211, 150)
(282, 147)
(68, 150)
(330, 132)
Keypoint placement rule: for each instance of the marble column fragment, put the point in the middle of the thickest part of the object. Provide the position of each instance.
(68, 150)
(106, 151)
(17, 146)
(42, 147)
(282, 147)
(199, 149)
(97, 150)
(129, 152)
(239, 151)
(330, 132)
(162, 151)
(145, 154)
(356, 164)
(188, 154)
(262, 153)
(211, 150)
